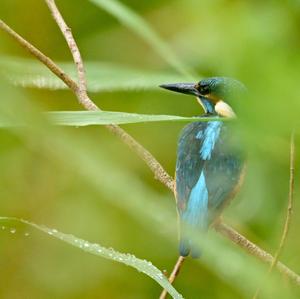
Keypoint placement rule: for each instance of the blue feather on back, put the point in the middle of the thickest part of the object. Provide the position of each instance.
(196, 213)
(209, 137)
(206, 173)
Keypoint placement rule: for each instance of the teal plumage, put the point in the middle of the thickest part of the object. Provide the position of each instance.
(209, 161)
(208, 169)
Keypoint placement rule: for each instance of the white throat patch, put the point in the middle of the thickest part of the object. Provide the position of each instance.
(223, 109)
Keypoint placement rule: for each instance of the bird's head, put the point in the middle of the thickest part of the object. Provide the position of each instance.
(212, 93)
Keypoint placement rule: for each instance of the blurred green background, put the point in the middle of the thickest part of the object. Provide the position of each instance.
(46, 172)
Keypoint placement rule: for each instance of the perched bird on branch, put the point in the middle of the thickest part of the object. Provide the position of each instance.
(210, 161)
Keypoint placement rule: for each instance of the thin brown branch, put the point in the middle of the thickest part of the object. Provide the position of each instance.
(159, 172)
(146, 156)
(289, 211)
(67, 33)
(88, 104)
(173, 275)
(290, 204)
(40, 56)
(254, 250)
(84, 99)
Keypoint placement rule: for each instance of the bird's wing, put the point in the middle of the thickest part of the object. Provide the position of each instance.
(223, 172)
(188, 166)
(208, 168)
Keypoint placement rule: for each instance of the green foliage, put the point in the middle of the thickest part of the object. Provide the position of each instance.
(85, 181)
(100, 76)
(138, 25)
(87, 118)
(128, 259)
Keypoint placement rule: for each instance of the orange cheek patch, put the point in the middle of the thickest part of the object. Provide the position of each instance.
(213, 98)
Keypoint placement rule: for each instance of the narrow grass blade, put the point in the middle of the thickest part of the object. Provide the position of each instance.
(143, 266)
(87, 118)
(90, 118)
(100, 76)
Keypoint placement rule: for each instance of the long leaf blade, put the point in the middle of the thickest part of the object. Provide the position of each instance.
(143, 266)
(87, 118)
(100, 76)
(90, 118)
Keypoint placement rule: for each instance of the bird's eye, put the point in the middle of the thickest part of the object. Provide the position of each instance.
(204, 89)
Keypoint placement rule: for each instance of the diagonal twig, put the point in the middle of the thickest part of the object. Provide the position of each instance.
(88, 104)
(173, 275)
(67, 33)
(254, 250)
(84, 99)
(55, 69)
(290, 204)
(146, 156)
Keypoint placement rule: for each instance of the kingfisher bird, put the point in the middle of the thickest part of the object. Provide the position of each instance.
(210, 159)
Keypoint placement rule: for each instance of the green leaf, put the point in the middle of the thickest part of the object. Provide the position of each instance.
(87, 118)
(143, 266)
(100, 76)
(137, 24)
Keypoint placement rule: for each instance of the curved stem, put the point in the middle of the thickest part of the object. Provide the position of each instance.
(48, 62)
(88, 104)
(67, 33)
(254, 250)
(173, 275)
(288, 212)
(290, 204)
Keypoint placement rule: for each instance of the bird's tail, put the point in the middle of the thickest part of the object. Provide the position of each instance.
(187, 243)
(186, 247)
(194, 218)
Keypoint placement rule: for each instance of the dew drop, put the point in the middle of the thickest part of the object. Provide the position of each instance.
(160, 275)
(3, 227)
(13, 230)
(26, 234)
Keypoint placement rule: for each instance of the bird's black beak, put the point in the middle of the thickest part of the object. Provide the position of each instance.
(187, 88)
